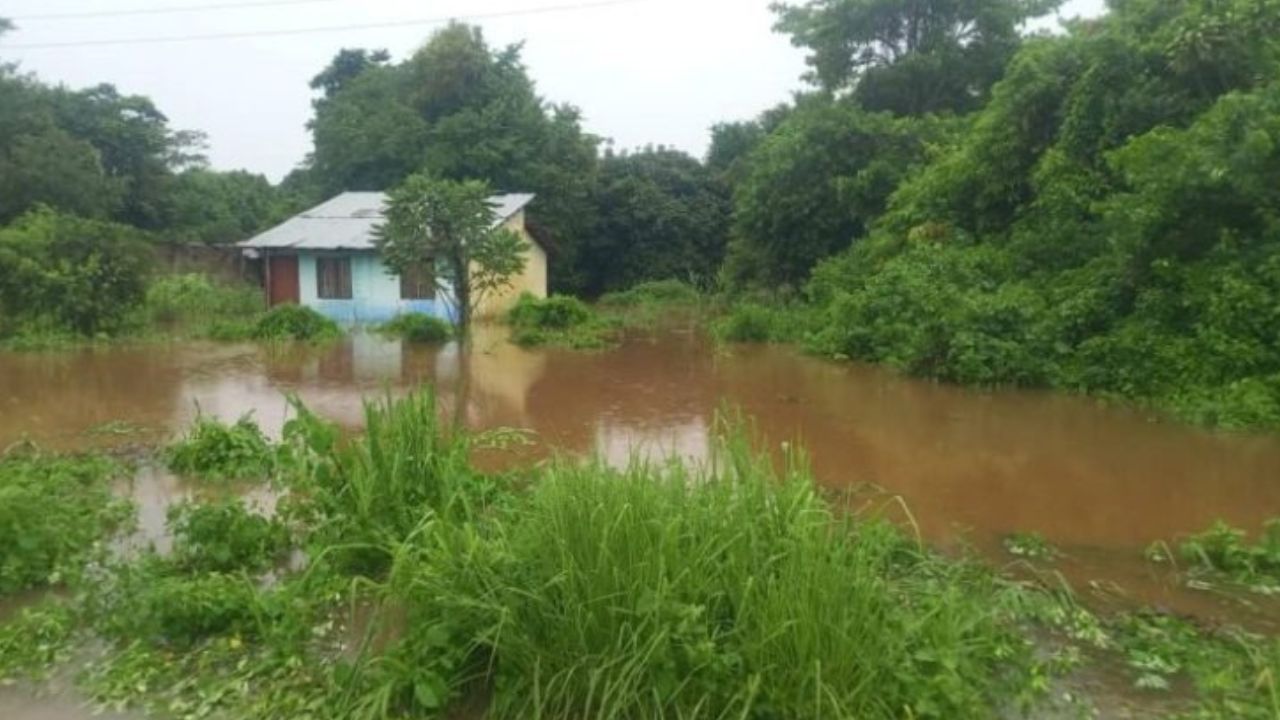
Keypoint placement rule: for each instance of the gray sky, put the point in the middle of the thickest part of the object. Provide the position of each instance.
(643, 71)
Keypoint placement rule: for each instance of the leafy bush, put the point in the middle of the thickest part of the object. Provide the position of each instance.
(224, 537)
(660, 292)
(751, 322)
(36, 640)
(418, 327)
(295, 322)
(149, 602)
(557, 320)
(217, 451)
(1223, 550)
(54, 511)
(64, 273)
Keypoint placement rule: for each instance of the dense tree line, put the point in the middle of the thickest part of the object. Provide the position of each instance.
(1104, 220)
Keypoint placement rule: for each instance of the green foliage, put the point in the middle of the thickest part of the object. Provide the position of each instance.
(295, 323)
(36, 640)
(756, 322)
(458, 109)
(62, 273)
(909, 58)
(198, 302)
(1031, 546)
(224, 536)
(150, 602)
(1223, 551)
(1107, 225)
(55, 513)
(664, 293)
(814, 185)
(217, 451)
(220, 208)
(662, 215)
(558, 320)
(418, 327)
(450, 226)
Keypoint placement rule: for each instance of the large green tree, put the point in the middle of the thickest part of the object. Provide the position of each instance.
(661, 215)
(814, 185)
(456, 109)
(909, 56)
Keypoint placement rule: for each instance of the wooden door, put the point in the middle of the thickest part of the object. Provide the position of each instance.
(282, 280)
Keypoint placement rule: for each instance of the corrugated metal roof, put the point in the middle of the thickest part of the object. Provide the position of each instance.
(346, 222)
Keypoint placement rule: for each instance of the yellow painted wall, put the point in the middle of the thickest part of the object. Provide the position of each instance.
(532, 281)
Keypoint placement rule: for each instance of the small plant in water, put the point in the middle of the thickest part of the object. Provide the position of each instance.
(1224, 551)
(558, 320)
(1032, 546)
(217, 451)
(295, 322)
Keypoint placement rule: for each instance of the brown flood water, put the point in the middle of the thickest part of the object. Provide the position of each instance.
(1099, 482)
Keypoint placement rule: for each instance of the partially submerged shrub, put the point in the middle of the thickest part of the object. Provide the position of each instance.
(295, 322)
(1032, 546)
(558, 320)
(225, 536)
(658, 292)
(750, 322)
(36, 640)
(53, 512)
(150, 602)
(1225, 551)
(418, 327)
(218, 451)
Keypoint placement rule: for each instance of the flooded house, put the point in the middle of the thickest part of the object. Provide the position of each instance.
(324, 258)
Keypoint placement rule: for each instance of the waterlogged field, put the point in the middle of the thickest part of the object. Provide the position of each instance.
(248, 555)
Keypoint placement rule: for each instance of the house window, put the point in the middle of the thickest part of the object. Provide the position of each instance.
(333, 278)
(418, 283)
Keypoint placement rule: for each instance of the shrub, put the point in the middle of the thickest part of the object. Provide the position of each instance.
(749, 322)
(660, 292)
(149, 602)
(64, 273)
(1223, 550)
(218, 451)
(558, 312)
(295, 322)
(558, 320)
(53, 511)
(418, 327)
(224, 536)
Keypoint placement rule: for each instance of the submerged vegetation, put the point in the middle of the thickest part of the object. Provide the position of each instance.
(1224, 553)
(577, 589)
(558, 320)
(418, 327)
(218, 451)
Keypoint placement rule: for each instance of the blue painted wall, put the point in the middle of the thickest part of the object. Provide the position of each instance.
(375, 292)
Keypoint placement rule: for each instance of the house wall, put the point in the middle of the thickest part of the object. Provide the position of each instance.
(375, 292)
(533, 280)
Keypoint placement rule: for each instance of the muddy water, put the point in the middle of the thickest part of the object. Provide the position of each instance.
(1100, 482)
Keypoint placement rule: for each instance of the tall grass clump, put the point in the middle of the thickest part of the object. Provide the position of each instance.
(418, 327)
(54, 512)
(196, 302)
(659, 591)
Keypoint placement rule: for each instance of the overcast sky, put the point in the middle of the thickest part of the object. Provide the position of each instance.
(643, 71)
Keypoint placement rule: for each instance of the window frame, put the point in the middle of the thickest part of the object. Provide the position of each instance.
(425, 274)
(341, 276)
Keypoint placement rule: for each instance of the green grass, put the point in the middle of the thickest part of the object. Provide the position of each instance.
(225, 536)
(54, 514)
(418, 327)
(660, 292)
(1224, 553)
(559, 321)
(295, 323)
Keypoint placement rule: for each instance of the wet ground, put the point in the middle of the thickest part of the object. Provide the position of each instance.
(1100, 482)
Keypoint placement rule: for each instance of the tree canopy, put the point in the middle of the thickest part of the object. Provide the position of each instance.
(909, 56)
